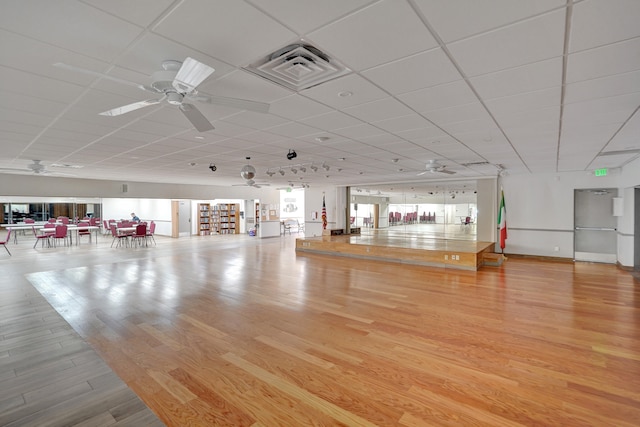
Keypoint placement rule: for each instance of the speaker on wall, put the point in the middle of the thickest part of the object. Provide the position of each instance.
(125, 188)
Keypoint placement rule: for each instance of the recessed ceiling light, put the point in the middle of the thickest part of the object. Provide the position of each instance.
(199, 137)
(322, 138)
(345, 94)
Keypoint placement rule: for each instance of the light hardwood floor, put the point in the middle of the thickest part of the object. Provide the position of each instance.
(234, 330)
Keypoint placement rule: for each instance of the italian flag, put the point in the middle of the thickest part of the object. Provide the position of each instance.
(502, 221)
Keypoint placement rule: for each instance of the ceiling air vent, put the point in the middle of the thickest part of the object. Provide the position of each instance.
(298, 66)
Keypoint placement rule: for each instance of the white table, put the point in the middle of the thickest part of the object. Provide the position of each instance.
(71, 228)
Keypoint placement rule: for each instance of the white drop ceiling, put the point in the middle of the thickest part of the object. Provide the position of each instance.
(529, 86)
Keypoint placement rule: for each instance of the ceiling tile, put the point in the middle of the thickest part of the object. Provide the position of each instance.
(228, 27)
(403, 123)
(331, 121)
(619, 84)
(385, 108)
(458, 113)
(443, 96)
(391, 30)
(345, 92)
(509, 105)
(523, 43)
(75, 18)
(424, 69)
(615, 109)
(526, 78)
(604, 61)
(306, 15)
(600, 22)
(454, 20)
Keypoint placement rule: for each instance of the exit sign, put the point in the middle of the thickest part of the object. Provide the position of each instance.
(601, 172)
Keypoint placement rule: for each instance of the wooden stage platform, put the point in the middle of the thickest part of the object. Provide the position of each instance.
(403, 248)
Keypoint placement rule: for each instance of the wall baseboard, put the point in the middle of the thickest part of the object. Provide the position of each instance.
(540, 257)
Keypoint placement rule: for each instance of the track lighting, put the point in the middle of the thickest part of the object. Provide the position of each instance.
(281, 172)
(314, 168)
(326, 167)
(303, 169)
(291, 154)
(271, 173)
(294, 170)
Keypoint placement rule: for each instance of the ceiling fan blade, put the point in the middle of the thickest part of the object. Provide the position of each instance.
(132, 107)
(422, 173)
(446, 171)
(242, 104)
(190, 75)
(197, 119)
(100, 75)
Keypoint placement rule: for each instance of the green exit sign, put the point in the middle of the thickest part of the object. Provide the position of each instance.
(601, 172)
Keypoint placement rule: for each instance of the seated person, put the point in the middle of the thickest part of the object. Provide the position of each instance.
(134, 217)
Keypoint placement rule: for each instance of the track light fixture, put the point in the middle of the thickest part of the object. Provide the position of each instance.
(303, 169)
(271, 173)
(314, 168)
(294, 170)
(291, 154)
(281, 172)
(326, 167)
(213, 167)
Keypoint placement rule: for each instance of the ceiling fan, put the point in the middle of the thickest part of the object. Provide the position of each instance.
(35, 168)
(252, 183)
(434, 167)
(176, 84)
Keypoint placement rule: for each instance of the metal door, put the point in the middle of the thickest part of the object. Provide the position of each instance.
(595, 235)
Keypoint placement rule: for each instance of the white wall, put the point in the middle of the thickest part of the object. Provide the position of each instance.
(313, 204)
(540, 212)
(156, 210)
(539, 206)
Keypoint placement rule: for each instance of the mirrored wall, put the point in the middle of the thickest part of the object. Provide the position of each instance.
(447, 210)
(16, 209)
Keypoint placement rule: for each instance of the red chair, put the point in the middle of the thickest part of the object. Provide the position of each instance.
(151, 231)
(61, 234)
(29, 221)
(105, 226)
(42, 236)
(6, 240)
(118, 237)
(140, 234)
(84, 231)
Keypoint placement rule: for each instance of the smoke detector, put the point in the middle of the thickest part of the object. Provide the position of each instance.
(298, 66)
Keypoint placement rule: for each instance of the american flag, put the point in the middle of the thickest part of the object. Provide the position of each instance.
(324, 214)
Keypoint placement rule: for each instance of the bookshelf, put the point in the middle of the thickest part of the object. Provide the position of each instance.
(204, 219)
(226, 218)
